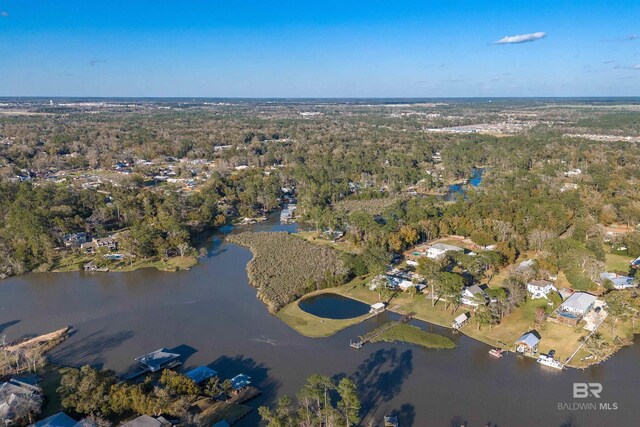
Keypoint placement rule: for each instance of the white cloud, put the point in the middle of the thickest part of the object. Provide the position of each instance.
(521, 38)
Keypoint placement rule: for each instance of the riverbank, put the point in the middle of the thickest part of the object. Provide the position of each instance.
(285, 267)
(566, 341)
(76, 263)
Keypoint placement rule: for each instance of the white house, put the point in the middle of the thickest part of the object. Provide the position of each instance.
(470, 296)
(540, 288)
(439, 249)
(399, 282)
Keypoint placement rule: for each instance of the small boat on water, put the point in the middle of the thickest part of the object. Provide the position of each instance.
(496, 352)
(549, 361)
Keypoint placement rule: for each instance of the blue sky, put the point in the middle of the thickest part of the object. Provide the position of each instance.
(281, 48)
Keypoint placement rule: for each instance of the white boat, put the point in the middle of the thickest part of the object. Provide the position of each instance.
(545, 360)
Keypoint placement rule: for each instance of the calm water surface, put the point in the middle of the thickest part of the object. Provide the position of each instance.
(212, 316)
(333, 306)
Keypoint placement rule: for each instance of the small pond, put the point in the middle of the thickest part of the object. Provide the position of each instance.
(457, 190)
(333, 306)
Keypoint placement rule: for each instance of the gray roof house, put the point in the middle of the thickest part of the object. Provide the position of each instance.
(145, 421)
(438, 249)
(472, 296)
(13, 395)
(579, 303)
(528, 343)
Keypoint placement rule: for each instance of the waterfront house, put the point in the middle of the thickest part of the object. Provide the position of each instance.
(95, 244)
(158, 360)
(74, 239)
(58, 420)
(460, 321)
(399, 282)
(437, 250)
(287, 213)
(472, 296)
(201, 374)
(574, 308)
(378, 307)
(528, 343)
(240, 382)
(540, 289)
(619, 282)
(14, 396)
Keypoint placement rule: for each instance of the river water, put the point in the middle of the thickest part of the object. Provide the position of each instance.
(211, 315)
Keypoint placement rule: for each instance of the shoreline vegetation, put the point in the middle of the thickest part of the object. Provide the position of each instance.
(75, 262)
(286, 267)
(556, 336)
(404, 333)
(28, 354)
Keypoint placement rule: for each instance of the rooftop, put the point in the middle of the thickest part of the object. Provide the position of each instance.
(531, 339)
(579, 301)
(158, 359)
(57, 420)
(201, 374)
(240, 381)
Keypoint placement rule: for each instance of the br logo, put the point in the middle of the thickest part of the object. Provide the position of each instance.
(584, 390)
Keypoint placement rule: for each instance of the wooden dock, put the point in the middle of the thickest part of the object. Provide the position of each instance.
(362, 340)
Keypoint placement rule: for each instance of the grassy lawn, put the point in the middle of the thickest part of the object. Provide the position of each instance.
(51, 376)
(618, 262)
(74, 261)
(402, 332)
(561, 338)
(342, 245)
(313, 326)
(213, 412)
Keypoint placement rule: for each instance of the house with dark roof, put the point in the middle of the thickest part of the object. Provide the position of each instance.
(146, 421)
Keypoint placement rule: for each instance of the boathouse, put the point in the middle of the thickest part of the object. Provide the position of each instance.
(201, 374)
(240, 381)
(528, 343)
(158, 360)
(460, 321)
(378, 307)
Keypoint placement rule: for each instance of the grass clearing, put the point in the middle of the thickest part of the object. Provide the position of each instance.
(618, 263)
(313, 326)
